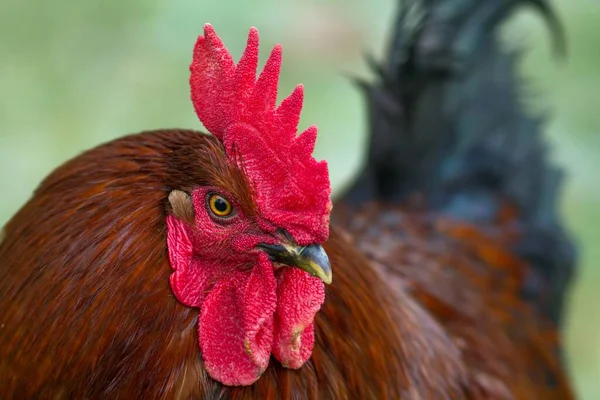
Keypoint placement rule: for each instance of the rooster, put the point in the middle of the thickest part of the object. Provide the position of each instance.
(177, 264)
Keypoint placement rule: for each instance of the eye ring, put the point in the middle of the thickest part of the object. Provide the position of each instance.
(219, 206)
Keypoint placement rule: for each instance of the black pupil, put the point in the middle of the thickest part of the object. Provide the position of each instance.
(220, 205)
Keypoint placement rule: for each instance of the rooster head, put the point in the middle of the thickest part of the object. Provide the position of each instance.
(245, 243)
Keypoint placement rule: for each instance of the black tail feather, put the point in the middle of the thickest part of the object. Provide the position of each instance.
(446, 121)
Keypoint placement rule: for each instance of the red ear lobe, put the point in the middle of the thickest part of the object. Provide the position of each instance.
(179, 243)
(188, 282)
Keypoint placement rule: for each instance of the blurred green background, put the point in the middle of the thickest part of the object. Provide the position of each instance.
(74, 74)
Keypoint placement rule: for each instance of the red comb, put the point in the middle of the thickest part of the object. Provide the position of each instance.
(292, 188)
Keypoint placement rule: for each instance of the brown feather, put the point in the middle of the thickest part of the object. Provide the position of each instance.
(470, 284)
(430, 309)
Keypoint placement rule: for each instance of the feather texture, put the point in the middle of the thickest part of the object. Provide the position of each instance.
(434, 247)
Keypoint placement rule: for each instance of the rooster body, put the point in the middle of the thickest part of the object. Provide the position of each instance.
(440, 287)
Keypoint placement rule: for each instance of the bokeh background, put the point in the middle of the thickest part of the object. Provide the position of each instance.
(74, 74)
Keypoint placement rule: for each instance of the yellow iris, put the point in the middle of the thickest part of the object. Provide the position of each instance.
(219, 205)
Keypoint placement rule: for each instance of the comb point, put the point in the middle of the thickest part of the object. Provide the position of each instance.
(208, 28)
(288, 113)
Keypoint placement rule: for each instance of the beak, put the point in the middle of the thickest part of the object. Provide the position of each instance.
(311, 259)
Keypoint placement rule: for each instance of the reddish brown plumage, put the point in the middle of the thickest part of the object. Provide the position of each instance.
(429, 309)
(423, 304)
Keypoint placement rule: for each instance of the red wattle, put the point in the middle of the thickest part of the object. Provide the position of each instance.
(236, 325)
(299, 298)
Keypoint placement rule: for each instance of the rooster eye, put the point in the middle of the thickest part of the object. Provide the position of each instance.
(219, 206)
